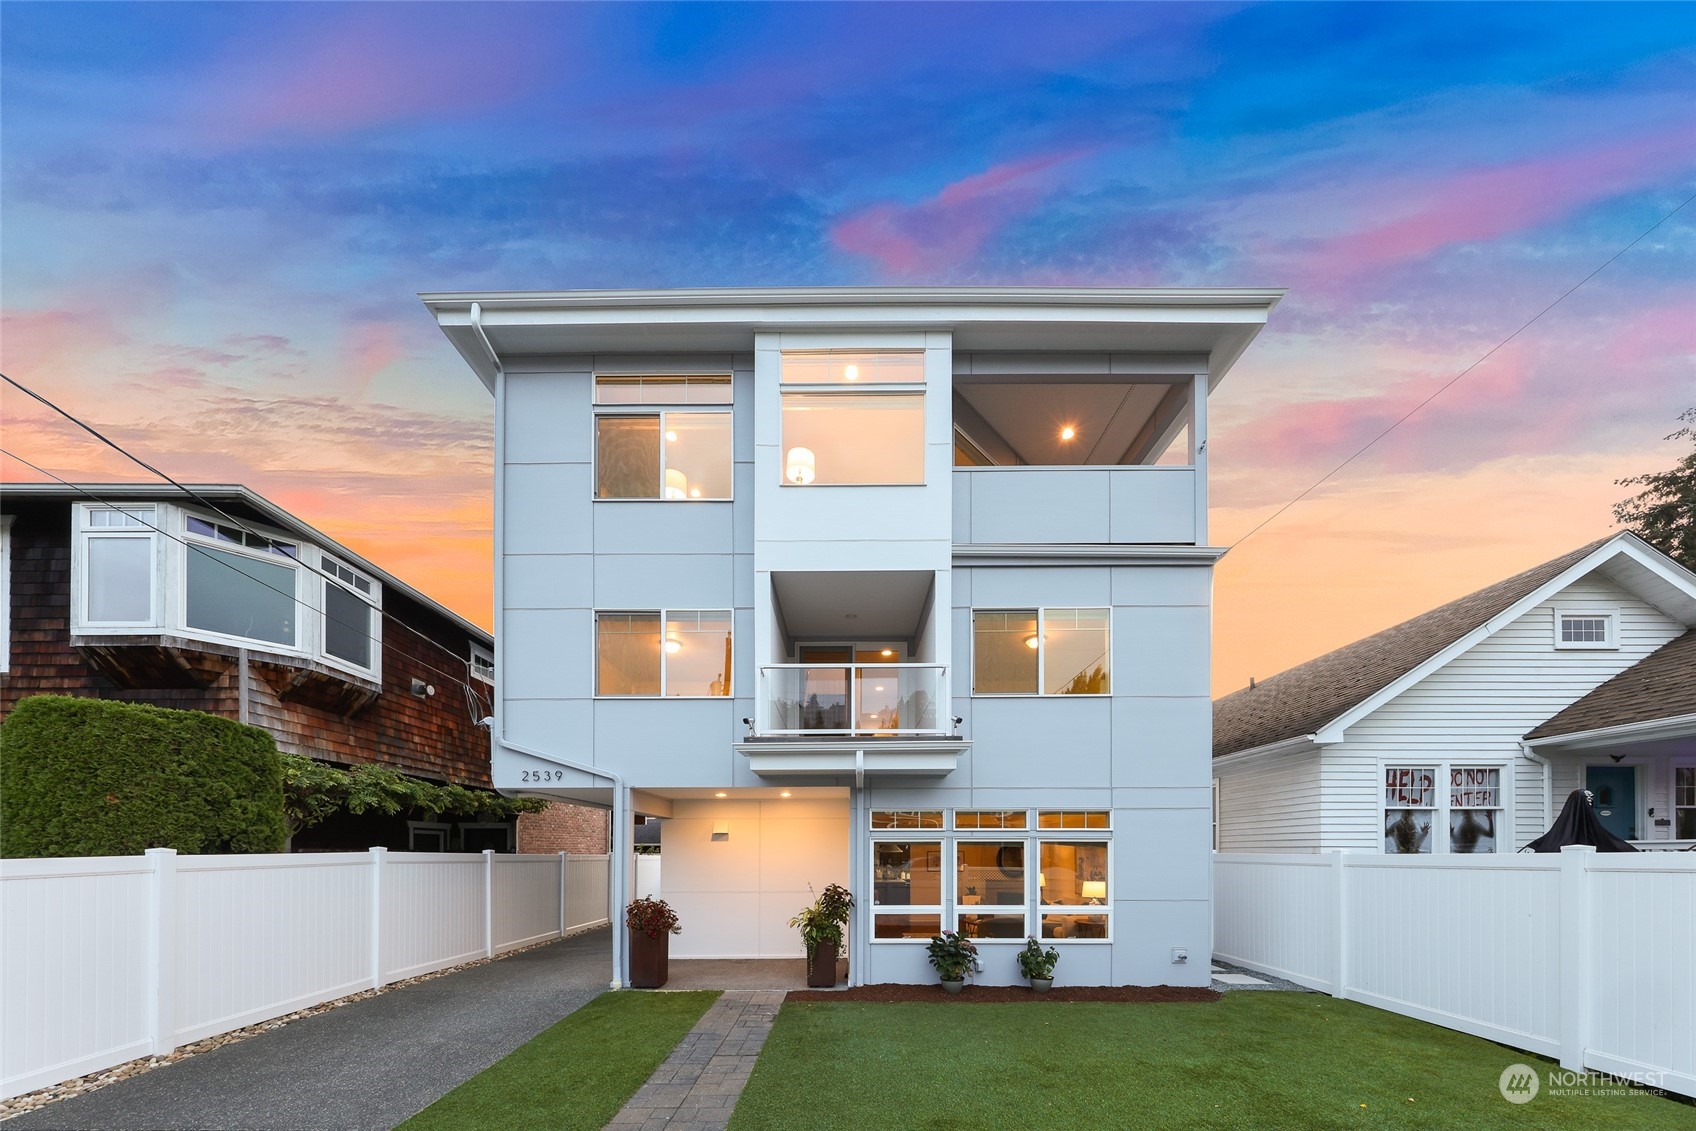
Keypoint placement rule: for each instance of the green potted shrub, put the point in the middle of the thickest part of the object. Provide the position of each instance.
(651, 923)
(1037, 965)
(955, 958)
(822, 927)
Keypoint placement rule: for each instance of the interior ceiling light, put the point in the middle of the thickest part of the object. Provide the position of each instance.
(888, 652)
(785, 793)
(671, 437)
(673, 645)
(852, 373)
(1030, 642)
(1068, 433)
(800, 467)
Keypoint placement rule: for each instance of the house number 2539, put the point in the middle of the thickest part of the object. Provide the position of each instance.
(543, 775)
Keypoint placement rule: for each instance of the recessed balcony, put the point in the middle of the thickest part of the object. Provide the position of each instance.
(869, 700)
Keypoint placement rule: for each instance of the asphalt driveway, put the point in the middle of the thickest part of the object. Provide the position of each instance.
(367, 1065)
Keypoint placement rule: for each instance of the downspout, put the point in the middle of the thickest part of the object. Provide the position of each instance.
(618, 880)
(1548, 785)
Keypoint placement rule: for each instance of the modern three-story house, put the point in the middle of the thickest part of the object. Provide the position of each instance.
(903, 588)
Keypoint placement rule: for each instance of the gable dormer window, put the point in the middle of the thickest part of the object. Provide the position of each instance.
(1586, 628)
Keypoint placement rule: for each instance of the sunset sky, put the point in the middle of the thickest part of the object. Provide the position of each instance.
(216, 219)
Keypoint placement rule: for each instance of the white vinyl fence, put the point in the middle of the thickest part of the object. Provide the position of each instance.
(104, 959)
(1587, 958)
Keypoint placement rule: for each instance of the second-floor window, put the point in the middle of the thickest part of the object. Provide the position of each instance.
(241, 584)
(853, 418)
(663, 652)
(675, 453)
(1040, 652)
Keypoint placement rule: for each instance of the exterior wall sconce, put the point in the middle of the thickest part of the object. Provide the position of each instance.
(721, 830)
(423, 690)
(800, 467)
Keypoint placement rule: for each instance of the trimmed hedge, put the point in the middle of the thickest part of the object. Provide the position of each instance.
(93, 777)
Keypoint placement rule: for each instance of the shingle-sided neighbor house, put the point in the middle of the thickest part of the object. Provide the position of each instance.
(1465, 728)
(907, 589)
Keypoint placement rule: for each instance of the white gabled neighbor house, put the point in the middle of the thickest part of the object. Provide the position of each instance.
(1465, 728)
(903, 588)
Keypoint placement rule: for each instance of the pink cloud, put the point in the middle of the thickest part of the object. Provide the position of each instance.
(947, 229)
(371, 347)
(381, 64)
(1433, 212)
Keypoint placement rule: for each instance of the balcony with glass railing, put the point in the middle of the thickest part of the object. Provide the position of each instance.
(853, 700)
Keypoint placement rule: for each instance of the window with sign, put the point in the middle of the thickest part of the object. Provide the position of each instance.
(1442, 807)
(1410, 808)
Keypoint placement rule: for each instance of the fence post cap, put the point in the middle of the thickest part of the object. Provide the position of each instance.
(1565, 848)
(161, 852)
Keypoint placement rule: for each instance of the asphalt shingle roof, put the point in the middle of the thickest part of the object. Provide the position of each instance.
(1662, 685)
(1306, 697)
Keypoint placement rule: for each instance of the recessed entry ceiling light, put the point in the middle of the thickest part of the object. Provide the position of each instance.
(721, 793)
(887, 652)
(1066, 433)
(785, 793)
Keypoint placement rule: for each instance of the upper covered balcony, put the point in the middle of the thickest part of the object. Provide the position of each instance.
(1079, 449)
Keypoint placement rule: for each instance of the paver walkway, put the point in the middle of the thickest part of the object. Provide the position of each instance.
(366, 1065)
(697, 1087)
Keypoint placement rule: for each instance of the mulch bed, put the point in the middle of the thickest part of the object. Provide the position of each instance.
(931, 992)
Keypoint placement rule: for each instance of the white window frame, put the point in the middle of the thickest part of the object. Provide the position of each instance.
(374, 620)
(660, 409)
(6, 592)
(1609, 615)
(83, 530)
(478, 652)
(1672, 801)
(1032, 837)
(1041, 652)
(1441, 809)
(665, 667)
(918, 390)
(308, 632)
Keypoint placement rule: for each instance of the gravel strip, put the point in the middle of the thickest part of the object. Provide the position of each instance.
(1272, 981)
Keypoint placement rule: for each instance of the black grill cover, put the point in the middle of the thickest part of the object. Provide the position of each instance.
(1577, 824)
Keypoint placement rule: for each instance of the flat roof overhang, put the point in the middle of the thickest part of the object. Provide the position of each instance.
(839, 757)
(508, 326)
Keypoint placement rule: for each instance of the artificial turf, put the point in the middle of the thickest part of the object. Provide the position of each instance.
(576, 1074)
(1251, 1060)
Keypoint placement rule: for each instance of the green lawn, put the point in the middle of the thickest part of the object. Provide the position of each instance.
(578, 1073)
(1253, 1060)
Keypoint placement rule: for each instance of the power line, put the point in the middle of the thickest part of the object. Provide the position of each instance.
(1452, 380)
(365, 631)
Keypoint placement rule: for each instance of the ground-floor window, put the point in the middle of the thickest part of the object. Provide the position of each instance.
(1684, 802)
(985, 875)
(1421, 817)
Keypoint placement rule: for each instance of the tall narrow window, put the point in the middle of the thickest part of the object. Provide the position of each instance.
(1475, 802)
(350, 611)
(906, 889)
(1046, 651)
(1072, 888)
(1684, 802)
(853, 418)
(1410, 808)
(991, 888)
(119, 554)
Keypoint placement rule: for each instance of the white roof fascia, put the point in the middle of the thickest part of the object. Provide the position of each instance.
(1673, 726)
(272, 513)
(1624, 543)
(1301, 744)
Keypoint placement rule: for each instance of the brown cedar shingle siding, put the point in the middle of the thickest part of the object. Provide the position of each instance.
(435, 737)
(1662, 685)
(1305, 698)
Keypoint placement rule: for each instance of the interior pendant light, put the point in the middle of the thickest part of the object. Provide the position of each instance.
(800, 467)
(676, 484)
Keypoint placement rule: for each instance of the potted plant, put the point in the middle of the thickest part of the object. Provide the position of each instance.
(821, 928)
(1037, 965)
(955, 958)
(651, 923)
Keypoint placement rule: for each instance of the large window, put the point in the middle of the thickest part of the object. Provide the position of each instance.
(118, 562)
(1011, 877)
(673, 652)
(1040, 651)
(853, 418)
(1422, 817)
(669, 455)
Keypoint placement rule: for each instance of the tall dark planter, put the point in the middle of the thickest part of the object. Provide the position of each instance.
(821, 966)
(648, 960)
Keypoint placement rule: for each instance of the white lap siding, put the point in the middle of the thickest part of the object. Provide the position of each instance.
(1270, 804)
(1474, 711)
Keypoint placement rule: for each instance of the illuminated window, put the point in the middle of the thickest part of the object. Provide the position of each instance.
(848, 420)
(1040, 651)
(675, 653)
(676, 456)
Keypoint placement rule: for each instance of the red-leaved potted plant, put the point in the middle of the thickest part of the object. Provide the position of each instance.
(651, 922)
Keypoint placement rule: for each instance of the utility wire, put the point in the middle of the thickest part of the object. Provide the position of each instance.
(1452, 380)
(366, 631)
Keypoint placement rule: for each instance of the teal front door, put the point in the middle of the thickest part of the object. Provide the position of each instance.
(1615, 788)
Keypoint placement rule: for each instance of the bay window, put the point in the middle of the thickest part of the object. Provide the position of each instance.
(239, 595)
(1040, 651)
